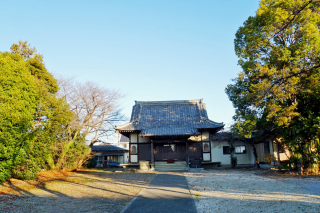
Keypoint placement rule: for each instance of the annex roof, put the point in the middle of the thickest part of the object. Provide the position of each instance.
(124, 139)
(167, 118)
(107, 147)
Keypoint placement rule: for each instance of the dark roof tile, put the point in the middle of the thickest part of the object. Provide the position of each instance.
(160, 118)
(103, 148)
(124, 139)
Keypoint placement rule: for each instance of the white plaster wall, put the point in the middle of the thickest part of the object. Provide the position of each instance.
(270, 147)
(133, 137)
(218, 156)
(206, 157)
(205, 135)
(124, 145)
(120, 159)
(260, 151)
(134, 158)
(125, 158)
(275, 150)
(143, 139)
(283, 156)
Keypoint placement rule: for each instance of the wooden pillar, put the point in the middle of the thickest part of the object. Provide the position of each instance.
(152, 157)
(187, 149)
(129, 161)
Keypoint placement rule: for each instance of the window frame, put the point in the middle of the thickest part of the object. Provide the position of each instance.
(223, 149)
(134, 143)
(238, 153)
(137, 149)
(209, 146)
(206, 152)
(245, 150)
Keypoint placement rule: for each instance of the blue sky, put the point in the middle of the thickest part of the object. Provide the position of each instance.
(149, 50)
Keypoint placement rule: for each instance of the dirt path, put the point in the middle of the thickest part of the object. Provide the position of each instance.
(245, 191)
(85, 191)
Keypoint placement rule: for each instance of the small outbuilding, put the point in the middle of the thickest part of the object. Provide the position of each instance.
(109, 153)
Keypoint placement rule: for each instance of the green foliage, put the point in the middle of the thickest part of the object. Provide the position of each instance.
(233, 161)
(91, 163)
(268, 158)
(32, 119)
(285, 167)
(18, 98)
(279, 86)
(69, 155)
(23, 49)
(232, 148)
(26, 170)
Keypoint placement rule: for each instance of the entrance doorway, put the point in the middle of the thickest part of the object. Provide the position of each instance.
(175, 151)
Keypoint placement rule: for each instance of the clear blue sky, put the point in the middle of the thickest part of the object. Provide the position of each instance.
(149, 50)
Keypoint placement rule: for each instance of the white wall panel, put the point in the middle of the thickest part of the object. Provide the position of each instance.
(134, 158)
(218, 156)
(133, 137)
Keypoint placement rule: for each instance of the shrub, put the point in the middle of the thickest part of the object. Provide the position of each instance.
(285, 167)
(91, 163)
(268, 158)
(234, 161)
(27, 171)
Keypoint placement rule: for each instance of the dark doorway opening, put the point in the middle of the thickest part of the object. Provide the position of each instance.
(175, 151)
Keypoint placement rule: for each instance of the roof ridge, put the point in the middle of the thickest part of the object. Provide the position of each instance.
(123, 125)
(196, 101)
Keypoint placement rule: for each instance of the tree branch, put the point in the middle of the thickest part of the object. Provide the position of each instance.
(291, 20)
(282, 80)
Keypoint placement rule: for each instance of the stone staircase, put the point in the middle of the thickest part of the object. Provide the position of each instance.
(176, 166)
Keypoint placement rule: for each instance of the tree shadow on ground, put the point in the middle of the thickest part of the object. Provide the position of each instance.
(75, 193)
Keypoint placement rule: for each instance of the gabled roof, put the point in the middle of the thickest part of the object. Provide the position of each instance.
(165, 118)
(223, 136)
(124, 139)
(104, 148)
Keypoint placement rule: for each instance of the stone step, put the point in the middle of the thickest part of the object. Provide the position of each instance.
(182, 167)
(171, 164)
(170, 170)
(165, 163)
(172, 167)
(176, 166)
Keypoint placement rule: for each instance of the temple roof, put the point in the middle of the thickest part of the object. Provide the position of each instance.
(165, 118)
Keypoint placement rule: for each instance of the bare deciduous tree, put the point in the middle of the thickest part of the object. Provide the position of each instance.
(96, 109)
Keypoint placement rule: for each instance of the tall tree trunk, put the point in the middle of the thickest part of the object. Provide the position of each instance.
(233, 150)
(278, 153)
(233, 159)
(256, 164)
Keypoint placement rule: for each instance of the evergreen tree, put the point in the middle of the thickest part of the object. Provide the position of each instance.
(278, 89)
(18, 103)
(34, 122)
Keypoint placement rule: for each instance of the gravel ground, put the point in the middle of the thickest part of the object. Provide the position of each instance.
(244, 191)
(86, 191)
